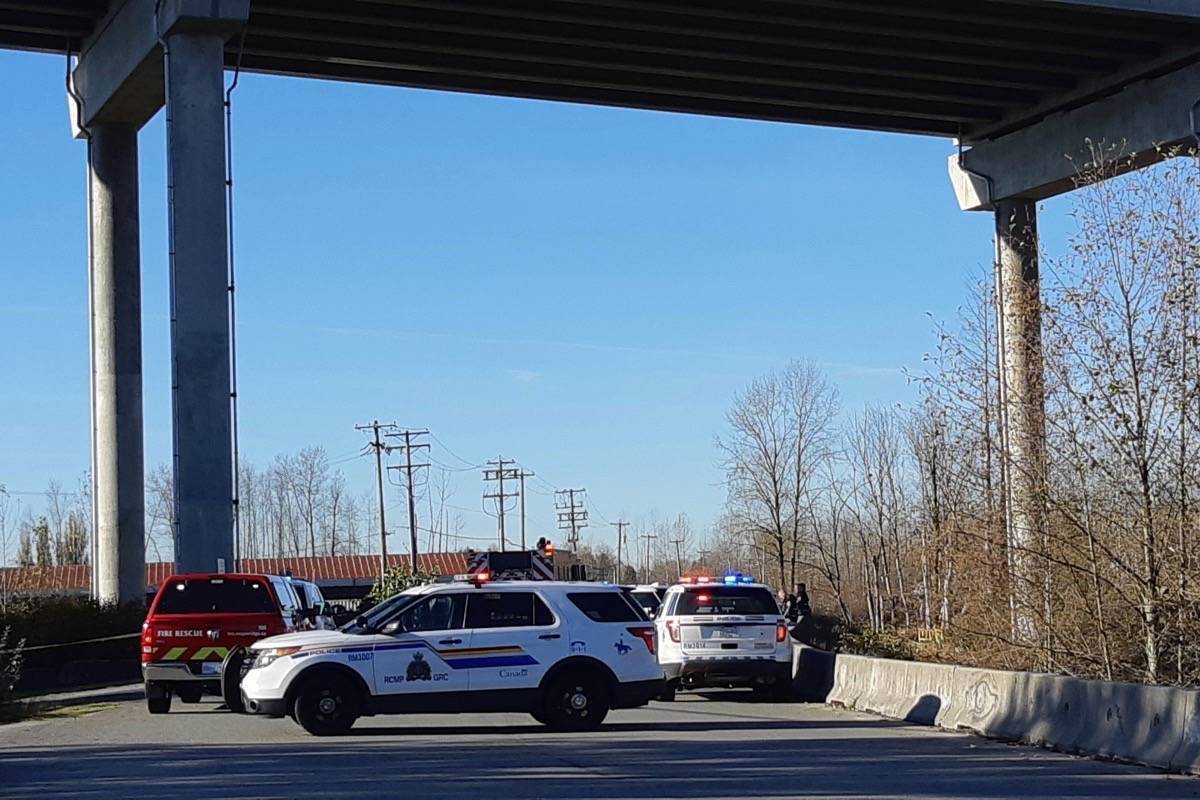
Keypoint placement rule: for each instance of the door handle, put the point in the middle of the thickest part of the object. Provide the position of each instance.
(449, 641)
(550, 636)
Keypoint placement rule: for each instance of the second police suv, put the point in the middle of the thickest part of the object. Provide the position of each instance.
(565, 653)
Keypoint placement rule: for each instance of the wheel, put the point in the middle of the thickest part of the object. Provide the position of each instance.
(327, 705)
(667, 695)
(231, 679)
(576, 702)
(188, 694)
(158, 698)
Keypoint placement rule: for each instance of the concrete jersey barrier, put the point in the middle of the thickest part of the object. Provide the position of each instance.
(1152, 725)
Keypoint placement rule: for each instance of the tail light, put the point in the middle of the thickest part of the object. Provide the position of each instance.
(780, 631)
(148, 640)
(646, 634)
(673, 630)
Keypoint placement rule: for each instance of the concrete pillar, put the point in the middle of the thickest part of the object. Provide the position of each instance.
(201, 421)
(1024, 402)
(118, 480)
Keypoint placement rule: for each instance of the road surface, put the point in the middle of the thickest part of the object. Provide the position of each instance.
(722, 746)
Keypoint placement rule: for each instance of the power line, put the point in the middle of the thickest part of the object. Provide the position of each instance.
(408, 447)
(620, 525)
(379, 447)
(572, 516)
(678, 555)
(648, 563)
(446, 447)
(499, 471)
(523, 475)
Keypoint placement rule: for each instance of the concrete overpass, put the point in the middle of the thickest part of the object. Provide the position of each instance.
(1021, 84)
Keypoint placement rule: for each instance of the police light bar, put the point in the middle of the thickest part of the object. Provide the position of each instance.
(477, 578)
(729, 580)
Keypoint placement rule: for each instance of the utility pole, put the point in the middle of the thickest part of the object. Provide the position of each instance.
(499, 471)
(678, 555)
(408, 467)
(572, 516)
(379, 447)
(620, 525)
(646, 571)
(523, 475)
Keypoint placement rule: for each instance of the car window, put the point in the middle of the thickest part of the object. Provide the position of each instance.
(507, 610)
(607, 606)
(287, 596)
(216, 595)
(302, 595)
(648, 600)
(438, 612)
(726, 600)
(375, 616)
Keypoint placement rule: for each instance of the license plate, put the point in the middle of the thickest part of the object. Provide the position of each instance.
(210, 668)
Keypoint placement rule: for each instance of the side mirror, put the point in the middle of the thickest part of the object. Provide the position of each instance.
(392, 628)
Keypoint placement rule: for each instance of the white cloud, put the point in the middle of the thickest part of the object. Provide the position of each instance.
(523, 375)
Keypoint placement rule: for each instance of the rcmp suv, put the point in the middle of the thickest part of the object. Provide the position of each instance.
(196, 620)
(566, 653)
(723, 632)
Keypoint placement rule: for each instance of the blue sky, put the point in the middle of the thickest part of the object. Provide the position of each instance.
(579, 288)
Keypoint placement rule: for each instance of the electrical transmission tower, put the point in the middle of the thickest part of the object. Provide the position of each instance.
(572, 516)
(499, 471)
(380, 448)
(406, 469)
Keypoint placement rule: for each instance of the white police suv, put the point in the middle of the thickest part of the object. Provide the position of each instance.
(724, 631)
(564, 652)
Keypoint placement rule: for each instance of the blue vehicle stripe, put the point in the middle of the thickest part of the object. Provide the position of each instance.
(514, 660)
(492, 661)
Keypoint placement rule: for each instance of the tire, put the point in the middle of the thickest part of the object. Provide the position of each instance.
(576, 701)
(158, 698)
(327, 705)
(189, 694)
(231, 680)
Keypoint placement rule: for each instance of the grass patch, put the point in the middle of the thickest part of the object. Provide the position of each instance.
(19, 712)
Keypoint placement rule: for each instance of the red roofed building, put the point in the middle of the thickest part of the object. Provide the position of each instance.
(340, 577)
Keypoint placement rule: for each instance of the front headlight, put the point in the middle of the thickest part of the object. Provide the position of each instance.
(267, 657)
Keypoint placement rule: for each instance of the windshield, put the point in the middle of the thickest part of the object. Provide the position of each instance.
(378, 614)
(726, 600)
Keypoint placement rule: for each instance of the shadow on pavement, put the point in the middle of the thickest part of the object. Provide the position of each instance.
(754, 759)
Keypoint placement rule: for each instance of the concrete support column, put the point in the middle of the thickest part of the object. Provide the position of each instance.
(200, 359)
(118, 480)
(1023, 384)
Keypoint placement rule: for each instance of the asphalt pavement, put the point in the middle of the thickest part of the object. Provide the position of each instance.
(720, 746)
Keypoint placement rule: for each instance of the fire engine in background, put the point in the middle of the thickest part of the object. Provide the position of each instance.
(515, 565)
